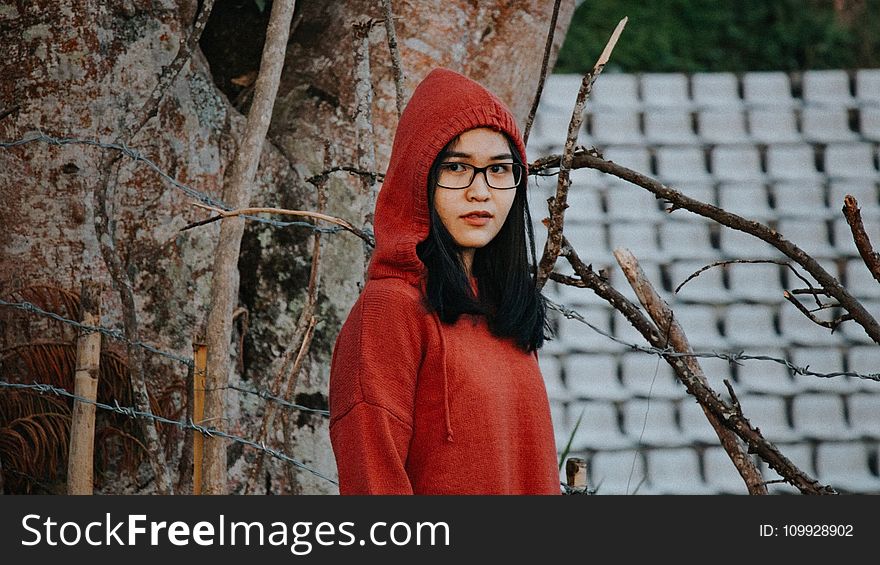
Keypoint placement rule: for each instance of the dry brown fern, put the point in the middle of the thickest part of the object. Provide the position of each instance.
(34, 442)
(34, 438)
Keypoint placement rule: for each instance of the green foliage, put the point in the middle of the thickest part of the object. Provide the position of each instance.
(732, 35)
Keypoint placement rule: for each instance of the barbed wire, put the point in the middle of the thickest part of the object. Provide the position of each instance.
(137, 156)
(189, 362)
(116, 334)
(131, 412)
(267, 395)
(730, 357)
(207, 199)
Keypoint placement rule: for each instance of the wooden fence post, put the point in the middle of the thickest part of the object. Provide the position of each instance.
(80, 463)
(200, 357)
(576, 472)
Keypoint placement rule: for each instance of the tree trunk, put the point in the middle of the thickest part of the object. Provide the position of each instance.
(500, 44)
(77, 68)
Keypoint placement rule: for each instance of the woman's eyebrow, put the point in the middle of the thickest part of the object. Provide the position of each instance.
(461, 155)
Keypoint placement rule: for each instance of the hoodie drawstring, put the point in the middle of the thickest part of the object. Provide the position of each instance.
(447, 419)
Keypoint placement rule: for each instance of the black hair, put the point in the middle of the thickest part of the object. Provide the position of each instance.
(508, 295)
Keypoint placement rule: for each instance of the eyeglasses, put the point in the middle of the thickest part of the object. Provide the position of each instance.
(503, 176)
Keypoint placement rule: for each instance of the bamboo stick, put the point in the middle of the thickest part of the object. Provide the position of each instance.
(80, 463)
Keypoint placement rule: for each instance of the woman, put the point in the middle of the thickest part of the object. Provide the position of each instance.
(434, 384)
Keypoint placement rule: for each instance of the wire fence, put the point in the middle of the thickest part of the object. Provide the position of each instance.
(202, 197)
(132, 412)
(730, 357)
(265, 394)
(113, 333)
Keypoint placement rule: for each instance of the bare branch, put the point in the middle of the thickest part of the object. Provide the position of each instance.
(281, 211)
(169, 73)
(863, 243)
(761, 231)
(396, 64)
(548, 48)
(105, 228)
(676, 338)
(558, 204)
(224, 285)
(363, 120)
(739, 424)
(374, 176)
(825, 324)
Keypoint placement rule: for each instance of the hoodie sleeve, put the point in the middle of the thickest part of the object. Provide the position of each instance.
(373, 374)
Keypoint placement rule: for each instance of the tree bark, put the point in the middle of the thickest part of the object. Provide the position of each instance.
(224, 287)
(80, 69)
(499, 44)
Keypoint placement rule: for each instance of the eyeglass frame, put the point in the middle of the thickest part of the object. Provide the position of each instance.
(517, 167)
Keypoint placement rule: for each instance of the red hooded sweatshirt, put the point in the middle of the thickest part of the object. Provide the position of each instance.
(418, 406)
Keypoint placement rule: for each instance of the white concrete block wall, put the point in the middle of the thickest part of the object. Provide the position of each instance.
(784, 160)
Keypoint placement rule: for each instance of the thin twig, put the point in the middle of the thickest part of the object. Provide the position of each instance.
(567, 280)
(221, 214)
(824, 323)
(548, 48)
(396, 64)
(812, 290)
(300, 341)
(557, 204)
(373, 175)
(863, 243)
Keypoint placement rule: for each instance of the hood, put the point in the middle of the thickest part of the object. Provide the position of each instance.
(444, 105)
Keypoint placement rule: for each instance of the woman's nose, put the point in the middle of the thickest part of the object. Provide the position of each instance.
(479, 189)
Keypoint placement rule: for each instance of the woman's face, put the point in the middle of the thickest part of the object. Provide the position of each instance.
(479, 147)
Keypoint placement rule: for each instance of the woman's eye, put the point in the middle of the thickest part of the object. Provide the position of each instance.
(499, 169)
(455, 167)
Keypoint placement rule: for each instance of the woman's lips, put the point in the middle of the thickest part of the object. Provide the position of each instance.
(477, 220)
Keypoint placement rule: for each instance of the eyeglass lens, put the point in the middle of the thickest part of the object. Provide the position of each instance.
(497, 175)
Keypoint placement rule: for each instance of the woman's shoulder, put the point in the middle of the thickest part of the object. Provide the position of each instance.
(394, 295)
